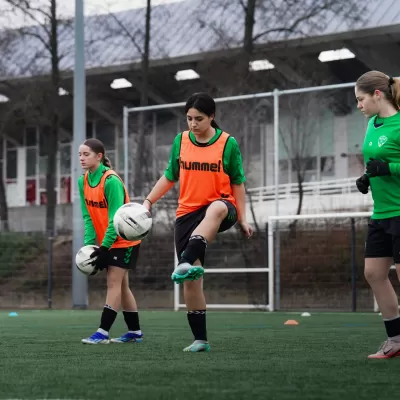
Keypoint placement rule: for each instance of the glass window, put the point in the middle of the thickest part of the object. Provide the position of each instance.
(43, 165)
(30, 136)
(31, 162)
(328, 166)
(65, 160)
(42, 183)
(106, 133)
(42, 140)
(11, 164)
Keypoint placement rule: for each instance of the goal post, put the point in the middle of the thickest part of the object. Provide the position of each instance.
(268, 307)
(283, 221)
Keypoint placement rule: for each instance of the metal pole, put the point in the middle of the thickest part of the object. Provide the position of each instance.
(50, 238)
(276, 184)
(353, 266)
(154, 145)
(176, 286)
(271, 265)
(125, 135)
(79, 281)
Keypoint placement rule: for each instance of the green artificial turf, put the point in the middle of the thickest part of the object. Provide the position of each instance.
(254, 356)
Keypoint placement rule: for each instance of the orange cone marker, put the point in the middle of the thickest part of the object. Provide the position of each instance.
(291, 322)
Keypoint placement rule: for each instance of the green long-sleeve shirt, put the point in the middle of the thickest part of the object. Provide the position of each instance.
(115, 195)
(382, 142)
(232, 158)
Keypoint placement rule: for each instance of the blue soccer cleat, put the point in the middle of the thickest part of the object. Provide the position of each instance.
(97, 338)
(129, 337)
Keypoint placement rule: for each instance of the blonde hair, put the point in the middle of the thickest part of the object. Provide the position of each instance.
(376, 80)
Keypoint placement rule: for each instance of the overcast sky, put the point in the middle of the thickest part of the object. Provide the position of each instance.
(67, 8)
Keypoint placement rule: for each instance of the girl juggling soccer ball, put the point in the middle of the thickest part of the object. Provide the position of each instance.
(102, 192)
(208, 164)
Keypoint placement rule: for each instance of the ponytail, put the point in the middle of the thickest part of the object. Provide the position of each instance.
(395, 89)
(106, 162)
(214, 124)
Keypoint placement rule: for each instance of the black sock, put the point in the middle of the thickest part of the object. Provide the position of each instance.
(195, 250)
(132, 320)
(392, 327)
(107, 318)
(197, 322)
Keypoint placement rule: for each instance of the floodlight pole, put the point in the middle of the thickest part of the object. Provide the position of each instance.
(79, 281)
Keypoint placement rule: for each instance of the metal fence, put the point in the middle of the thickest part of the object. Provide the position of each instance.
(268, 128)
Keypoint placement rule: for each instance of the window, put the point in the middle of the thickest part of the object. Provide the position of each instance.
(31, 162)
(65, 160)
(43, 141)
(30, 137)
(327, 167)
(11, 164)
(43, 165)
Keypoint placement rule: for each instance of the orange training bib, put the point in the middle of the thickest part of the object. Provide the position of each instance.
(201, 174)
(97, 206)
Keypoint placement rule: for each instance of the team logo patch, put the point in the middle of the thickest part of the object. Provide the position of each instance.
(382, 140)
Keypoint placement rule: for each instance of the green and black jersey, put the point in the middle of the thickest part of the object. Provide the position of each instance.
(382, 142)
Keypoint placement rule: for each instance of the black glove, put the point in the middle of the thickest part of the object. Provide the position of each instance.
(363, 184)
(377, 168)
(102, 258)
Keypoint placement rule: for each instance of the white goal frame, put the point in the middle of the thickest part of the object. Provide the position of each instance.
(273, 219)
(268, 307)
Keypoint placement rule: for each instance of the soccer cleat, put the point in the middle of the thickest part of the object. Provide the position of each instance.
(186, 272)
(129, 337)
(197, 347)
(96, 338)
(389, 349)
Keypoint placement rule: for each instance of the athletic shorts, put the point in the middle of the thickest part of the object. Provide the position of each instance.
(124, 257)
(185, 225)
(383, 239)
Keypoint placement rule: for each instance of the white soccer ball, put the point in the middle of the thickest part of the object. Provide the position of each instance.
(132, 221)
(83, 262)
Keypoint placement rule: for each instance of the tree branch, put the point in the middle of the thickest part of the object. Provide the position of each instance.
(127, 33)
(312, 13)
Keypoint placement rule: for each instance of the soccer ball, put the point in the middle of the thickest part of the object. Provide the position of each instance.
(132, 221)
(83, 262)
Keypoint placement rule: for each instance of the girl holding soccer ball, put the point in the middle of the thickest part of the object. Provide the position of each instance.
(102, 193)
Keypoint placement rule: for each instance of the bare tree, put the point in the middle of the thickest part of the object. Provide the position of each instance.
(44, 30)
(139, 36)
(300, 127)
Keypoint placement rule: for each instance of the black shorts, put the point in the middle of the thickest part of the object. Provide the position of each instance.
(185, 225)
(124, 257)
(383, 239)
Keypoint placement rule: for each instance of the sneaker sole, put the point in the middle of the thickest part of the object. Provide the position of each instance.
(201, 350)
(102, 342)
(129, 341)
(192, 275)
(383, 357)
